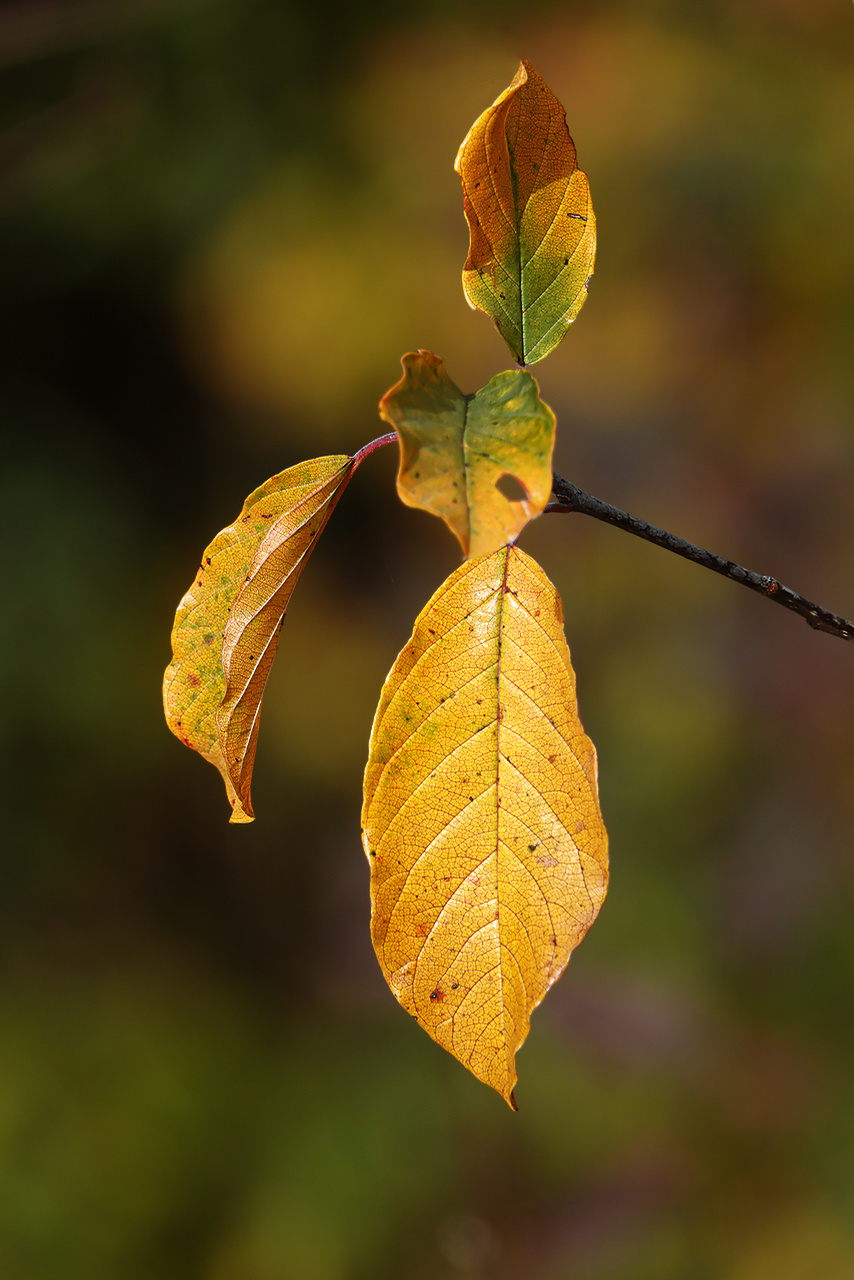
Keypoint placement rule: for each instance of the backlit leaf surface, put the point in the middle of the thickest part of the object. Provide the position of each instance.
(483, 463)
(531, 223)
(239, 596)
(481, 820)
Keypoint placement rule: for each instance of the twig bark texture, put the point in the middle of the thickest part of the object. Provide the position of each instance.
(570, 498)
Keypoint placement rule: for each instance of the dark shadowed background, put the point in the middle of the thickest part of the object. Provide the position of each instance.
(223, 221)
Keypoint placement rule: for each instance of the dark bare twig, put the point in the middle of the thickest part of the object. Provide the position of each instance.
(571, 498)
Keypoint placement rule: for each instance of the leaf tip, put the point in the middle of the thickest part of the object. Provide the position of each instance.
(239, 815)
(241, 809)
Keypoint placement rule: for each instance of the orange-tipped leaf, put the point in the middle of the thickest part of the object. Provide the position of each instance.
(531, 222)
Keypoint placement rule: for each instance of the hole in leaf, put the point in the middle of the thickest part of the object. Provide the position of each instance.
(511, 488)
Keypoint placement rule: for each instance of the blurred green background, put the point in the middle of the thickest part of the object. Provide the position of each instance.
(222, 223)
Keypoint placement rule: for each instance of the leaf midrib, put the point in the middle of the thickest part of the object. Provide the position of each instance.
(499, 719)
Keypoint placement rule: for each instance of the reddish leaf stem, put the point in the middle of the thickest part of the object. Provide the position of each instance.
(375, 444)
(570, 498)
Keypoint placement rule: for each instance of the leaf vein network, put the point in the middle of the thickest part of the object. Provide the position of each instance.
(482, 928)
(440, 706)
(552, 284)
(425, 780)
(560, 823)
(530, 874)
(431, 644)
(524, 694)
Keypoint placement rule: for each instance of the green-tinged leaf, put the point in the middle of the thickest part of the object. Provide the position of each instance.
(481, 820)
(239, 597)
(533, 233)
(483, 463)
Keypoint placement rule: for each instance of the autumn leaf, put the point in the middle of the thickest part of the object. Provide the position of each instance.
(481, 820)
(227, 625)
(531, 223)
(483, 462)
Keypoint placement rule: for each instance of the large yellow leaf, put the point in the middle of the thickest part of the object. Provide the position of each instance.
(483, 463)
(533, 233)
(481, 820)
(240, 592)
